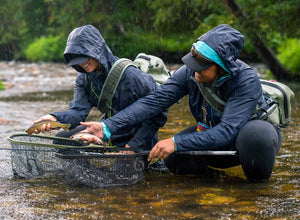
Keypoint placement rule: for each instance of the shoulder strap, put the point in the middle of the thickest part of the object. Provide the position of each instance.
(215, 102)
(110, 85)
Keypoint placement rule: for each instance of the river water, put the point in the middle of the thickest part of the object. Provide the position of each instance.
(37, 89)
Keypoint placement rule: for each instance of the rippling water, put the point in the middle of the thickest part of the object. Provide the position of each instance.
(37, 89)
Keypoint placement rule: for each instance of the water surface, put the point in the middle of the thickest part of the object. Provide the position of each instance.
(37, 89)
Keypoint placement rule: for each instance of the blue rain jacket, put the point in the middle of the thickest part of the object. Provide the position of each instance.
(241, 91)
(134, 84)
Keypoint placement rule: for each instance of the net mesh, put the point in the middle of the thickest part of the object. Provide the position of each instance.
(102, 171)
(32, 160)
(37, 156)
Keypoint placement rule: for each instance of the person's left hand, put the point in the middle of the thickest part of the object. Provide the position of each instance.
(94, 128)
(162, 149)
(127, 151)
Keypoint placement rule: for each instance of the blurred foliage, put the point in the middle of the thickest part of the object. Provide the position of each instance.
(289, 54)
(38, 29)
(11, 28)
(46, 49)
(274, 16)
(2, 87)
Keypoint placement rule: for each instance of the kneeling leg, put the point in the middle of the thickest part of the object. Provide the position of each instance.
(257, 144)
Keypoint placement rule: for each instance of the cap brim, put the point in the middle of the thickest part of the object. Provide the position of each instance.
(193, 64)
(78, 60)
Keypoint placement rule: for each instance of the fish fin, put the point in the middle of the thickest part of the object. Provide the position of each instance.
(29, 132)
(66, 127)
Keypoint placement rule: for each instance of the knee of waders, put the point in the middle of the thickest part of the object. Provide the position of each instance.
(257, 144)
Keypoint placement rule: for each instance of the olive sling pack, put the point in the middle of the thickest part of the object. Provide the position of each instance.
(147, 63)
(276, 109)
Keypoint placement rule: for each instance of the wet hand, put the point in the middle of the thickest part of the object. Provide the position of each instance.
(127, 151)
(93, 127)
(162, 149)
(46, 117)
(45, 127)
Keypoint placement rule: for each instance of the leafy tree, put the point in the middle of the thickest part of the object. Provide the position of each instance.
(258, 39)
(165, 28)
(10, 35)
(34, 16)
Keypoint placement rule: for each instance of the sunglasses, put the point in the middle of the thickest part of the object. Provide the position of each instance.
(199, 57)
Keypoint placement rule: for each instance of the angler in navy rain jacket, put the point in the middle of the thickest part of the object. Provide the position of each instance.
(241, 90)
(134, 84)
(237, 84)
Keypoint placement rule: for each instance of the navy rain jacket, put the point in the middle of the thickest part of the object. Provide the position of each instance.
(241, 91)
(134, 84)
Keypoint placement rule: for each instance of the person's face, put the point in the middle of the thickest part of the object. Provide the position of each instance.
(90, 65)
(207, 75)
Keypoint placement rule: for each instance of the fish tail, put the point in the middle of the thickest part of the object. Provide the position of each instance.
(66, 127)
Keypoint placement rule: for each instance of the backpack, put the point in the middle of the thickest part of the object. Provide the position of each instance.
(152, 65)
(278, 96)
(147, 63)
(276, 109)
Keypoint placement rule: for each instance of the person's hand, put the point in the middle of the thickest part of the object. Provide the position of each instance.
(45, 127)
(94, 128)
(127, 151)
(162, 149)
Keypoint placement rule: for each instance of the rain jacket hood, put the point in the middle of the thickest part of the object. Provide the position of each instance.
(227, 42)
(88, 41)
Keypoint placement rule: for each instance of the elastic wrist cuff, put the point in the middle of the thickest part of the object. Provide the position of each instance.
(174, 143)
(106, 132)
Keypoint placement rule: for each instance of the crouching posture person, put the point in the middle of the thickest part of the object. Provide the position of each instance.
(87, 52)
(213, 62)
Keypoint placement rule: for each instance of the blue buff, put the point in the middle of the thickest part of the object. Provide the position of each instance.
(174, 143)
(106, 132)
(209, 53)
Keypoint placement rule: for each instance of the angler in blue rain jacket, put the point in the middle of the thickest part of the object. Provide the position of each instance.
(86, 42)
(213, 61)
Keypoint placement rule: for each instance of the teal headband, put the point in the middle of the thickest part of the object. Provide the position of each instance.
(209, 53)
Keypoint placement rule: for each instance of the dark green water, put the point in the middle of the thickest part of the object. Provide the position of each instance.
(161, 195)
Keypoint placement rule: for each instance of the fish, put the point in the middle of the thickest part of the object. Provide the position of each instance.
(53, 125)
(84, 137)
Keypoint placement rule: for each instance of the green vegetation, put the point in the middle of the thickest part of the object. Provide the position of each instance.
(37, 30)
(2, 87)
(46, 49)
(289, 54)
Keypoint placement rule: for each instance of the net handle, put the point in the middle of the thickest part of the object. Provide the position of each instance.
(195, 153)
(58, 146)
(142, 153)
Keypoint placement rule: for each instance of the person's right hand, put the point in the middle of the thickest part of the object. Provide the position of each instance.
(162, 149)
(45, 127)
(93, 127)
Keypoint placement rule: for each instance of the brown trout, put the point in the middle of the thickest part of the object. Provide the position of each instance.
(86, 137)
(53, 125)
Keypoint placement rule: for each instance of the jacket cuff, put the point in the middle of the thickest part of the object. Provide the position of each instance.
(106, 132)
(174, 143)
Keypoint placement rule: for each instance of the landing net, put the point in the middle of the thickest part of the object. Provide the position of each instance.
(38, 156)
